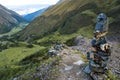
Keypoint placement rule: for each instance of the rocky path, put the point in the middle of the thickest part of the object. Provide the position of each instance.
(71, 66)
(114, 62)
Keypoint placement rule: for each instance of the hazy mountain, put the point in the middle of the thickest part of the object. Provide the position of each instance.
(27, 9)
(70, 16)
(8, 19)
(31, 16)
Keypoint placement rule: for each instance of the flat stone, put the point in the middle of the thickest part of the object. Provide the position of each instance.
(67, 68)
(78, 62)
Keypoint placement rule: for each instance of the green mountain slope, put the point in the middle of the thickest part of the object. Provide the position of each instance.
(59, 24)
(69, 16)
(8, 19)
(31, 16)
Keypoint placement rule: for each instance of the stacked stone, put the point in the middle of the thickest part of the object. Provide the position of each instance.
(100, 49)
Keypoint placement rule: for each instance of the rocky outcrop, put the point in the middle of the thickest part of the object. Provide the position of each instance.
(83, 45)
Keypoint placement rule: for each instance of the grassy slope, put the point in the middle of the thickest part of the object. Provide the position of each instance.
(56, 37)
(70, 16)
(12, 56)
(49, 21)
(8, 19)
(10, 60)
(13, 31)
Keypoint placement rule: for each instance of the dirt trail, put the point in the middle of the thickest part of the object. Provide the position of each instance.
(71, 66)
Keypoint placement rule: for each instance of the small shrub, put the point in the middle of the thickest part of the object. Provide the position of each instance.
(29, 46)
(70, 42)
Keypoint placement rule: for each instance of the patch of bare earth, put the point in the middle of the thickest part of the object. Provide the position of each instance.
(71, 66)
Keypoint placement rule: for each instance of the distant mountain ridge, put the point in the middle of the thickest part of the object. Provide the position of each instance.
(27, 9)
(9, 19)
(31, 16)
(70, 16)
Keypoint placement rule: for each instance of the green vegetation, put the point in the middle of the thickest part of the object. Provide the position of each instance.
(48, 70)
(13, 31)
(119, 45)
(9, 19)
(14, 55)
(22, 61)
(11, 58)
(111, 75)
(56, 37)
(59, 24)
(20, 27)
(71, 17)
(84, 58)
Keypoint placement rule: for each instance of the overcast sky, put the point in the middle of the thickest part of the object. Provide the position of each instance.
(9, 3)
(23, 7)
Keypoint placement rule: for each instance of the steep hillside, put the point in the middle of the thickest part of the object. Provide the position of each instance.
(69, 16)
(61, 23)
(31, 16)
(8, 19)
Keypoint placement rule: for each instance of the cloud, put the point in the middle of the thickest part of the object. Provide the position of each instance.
(26, 2)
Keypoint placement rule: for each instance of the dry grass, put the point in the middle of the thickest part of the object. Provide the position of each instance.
(84, 58)
(66, 6)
